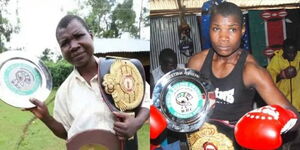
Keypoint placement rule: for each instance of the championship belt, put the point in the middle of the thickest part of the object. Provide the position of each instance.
(122, 87)
(94, 140)
(208, 138)
(185, 98)
(123, 81)
(23, 76)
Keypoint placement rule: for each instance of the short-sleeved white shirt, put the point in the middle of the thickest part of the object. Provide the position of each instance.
(157, 73)
(80, 106)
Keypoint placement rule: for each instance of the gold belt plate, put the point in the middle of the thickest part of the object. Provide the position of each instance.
(208, 137)
(125, 84)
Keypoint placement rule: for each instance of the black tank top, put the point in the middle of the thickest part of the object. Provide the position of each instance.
(233, 98)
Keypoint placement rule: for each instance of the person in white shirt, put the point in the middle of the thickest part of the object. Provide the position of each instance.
(167, 62)
(79, 105)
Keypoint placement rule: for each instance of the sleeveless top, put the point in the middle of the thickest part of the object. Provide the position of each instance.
(233, 98)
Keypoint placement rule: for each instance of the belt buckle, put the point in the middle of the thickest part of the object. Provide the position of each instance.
(209, 137)
(125, 84)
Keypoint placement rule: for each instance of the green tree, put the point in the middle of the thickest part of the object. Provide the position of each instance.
(59, 71)
(145, 17)
(110, 19)
(6, 28)
(122, 20)
(59, 57)
(46, 55)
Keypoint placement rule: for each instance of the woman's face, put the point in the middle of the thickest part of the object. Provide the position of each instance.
(76, 43)
(225, 34)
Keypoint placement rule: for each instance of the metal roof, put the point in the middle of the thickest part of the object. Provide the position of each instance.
(111, 45)
(166, 7)
(264, 3)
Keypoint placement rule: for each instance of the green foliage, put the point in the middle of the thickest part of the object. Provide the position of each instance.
(107, 19)
(146, 17)
(98, 18)
(46, 55)
(6, 28)
(59, 57)
(123, 19)
(59, 71)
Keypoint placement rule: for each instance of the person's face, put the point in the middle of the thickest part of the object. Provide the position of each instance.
(225, 34)
(76, 43)
(168, 64)
(289, 53)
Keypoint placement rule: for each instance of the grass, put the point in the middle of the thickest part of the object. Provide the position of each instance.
(144, 137)
(13, 121)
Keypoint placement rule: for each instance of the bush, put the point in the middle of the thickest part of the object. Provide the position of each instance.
(59, 71)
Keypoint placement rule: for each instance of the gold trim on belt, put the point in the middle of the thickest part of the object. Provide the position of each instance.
(93, 147)
(208, 137)
(125, 84)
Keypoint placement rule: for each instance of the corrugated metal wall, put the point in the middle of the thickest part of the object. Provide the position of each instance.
(164, 34)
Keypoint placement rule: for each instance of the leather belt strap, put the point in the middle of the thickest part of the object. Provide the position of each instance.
(104, 65)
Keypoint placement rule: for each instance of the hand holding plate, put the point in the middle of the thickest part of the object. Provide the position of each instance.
(23, 76)
(40, 110)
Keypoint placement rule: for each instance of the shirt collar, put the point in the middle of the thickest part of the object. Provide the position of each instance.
(79, 77)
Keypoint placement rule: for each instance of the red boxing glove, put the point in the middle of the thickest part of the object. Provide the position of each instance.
(153, 147)
(262, 127)
(158, 122)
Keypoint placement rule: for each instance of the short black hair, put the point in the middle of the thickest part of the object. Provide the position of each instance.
(167, 52)
(65, 21)
(289, 42)
(227, 9)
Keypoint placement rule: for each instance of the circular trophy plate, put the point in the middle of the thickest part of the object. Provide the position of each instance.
(185, 98)
(22, 77)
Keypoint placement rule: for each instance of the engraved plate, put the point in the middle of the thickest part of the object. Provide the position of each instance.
(23, 76)
(183, 96)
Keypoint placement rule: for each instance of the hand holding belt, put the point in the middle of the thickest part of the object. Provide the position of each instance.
(122, 83)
